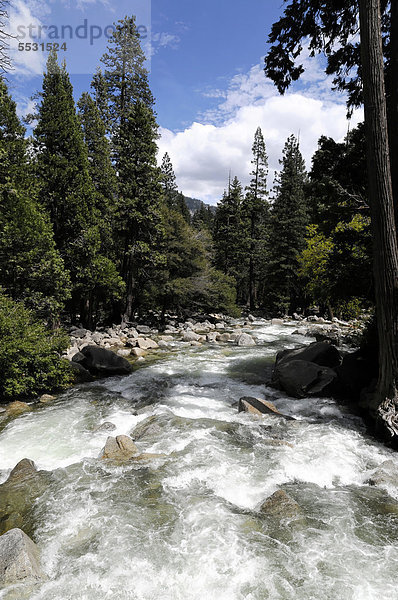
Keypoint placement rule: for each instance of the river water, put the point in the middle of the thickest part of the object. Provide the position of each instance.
(187, 526)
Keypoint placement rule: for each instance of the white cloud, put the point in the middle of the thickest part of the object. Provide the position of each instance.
(203, 153)
(25, 17)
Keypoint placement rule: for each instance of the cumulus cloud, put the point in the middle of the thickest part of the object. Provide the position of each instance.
(221, 140)
(26, 17)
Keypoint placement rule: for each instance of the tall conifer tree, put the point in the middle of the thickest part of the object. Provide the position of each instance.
(68, 193)
(287, 230)
(229, 247)
(30, 266)
(256, 213)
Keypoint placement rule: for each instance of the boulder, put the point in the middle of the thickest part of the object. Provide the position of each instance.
(385, 475)
(244, 339)
(102, 362)
(46, 398)
(223, 337)
(107, 426)
(146, 344)
(143, 329)
(80, 333)
(140, 352)
(123, 352)
(190, 336)
(19, 558)
(80, 374)
(78, 357)
(277, 322)
(18, 494)
(151, 426)
(320, 353)
(280, 505)
(300, 378)
(121, 447)
(14, 409)
(258, 406)
(23, 470)
(211, 337)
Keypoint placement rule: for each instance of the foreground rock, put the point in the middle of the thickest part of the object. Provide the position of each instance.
(19, 558)
(258, 406)
(101, 362)
(121, 447)
(14, 409)
(306, 371)
(18, 494)
(281, 505)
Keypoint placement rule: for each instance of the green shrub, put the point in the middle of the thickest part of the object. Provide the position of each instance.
(30, 354)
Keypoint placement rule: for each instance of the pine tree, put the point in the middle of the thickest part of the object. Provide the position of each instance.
(31, 268)
(171, 196)
(101, 98)
(229, 236)
(168, 182)
(133, 130)
(100, 168)
(138, 212)
(125, 75)
(256, 212)
(287, 231)
(68, 193)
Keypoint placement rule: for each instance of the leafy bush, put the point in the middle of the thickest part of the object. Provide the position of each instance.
(30, 362)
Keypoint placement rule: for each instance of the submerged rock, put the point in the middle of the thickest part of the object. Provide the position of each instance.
(107, 426)
(19, 558)
(259, 406)
(385, 475)
(121, 447)
(281, 505)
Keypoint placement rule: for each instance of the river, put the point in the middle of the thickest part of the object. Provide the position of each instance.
(187, 526)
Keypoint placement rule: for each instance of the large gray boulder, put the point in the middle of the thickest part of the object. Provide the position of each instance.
(103, 362)
(300, 378)
(19, 558)
(306, 371)
(18, 495)
(320, 353)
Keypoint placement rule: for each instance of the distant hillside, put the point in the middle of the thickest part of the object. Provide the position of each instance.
(194, 205)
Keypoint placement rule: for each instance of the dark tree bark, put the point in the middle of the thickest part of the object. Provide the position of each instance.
(392, 105)
(385, 402)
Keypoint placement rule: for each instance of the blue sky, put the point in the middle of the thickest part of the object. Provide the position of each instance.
(206, 75)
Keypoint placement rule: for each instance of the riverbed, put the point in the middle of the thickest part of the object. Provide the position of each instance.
(187, 525)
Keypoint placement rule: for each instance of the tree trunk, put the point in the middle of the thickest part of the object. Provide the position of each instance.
(385, 251)
(392, 106)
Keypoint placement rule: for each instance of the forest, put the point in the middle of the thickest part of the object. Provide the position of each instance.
(94, 232)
